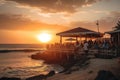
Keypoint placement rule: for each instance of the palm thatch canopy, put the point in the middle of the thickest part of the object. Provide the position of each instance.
(79, 32)
(112, 32)
(70, 39)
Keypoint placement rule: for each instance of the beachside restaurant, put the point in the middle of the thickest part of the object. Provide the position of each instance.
(78, 34)
(104, 49)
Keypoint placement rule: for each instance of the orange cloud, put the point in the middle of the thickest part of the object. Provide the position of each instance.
(19, 22)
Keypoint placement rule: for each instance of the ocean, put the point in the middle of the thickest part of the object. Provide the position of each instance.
(16, 62)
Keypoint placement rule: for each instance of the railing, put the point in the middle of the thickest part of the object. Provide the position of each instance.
(92, 51)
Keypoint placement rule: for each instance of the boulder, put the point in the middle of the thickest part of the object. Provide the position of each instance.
(105, 75)
(51, 73)
(41, 77)
(12, 78)
(38, 77)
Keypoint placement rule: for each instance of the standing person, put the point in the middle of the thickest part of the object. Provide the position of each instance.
(85, 47)
(76, 50)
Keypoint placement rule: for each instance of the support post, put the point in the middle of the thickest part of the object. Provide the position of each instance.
(97, 26)
(76, 39)
(60, 39)
(118, 38)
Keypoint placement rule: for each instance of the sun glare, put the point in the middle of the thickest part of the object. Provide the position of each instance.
(44, 37)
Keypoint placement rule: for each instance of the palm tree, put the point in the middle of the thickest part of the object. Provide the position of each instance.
(117, 27)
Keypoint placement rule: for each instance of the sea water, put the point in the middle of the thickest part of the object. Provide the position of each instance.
(19, 64)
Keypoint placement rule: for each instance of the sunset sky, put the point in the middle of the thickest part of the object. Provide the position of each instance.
(22, 20)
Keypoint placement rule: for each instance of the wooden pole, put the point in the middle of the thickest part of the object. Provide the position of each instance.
(76, 39)
(118, 38)
(60, 39)
(97, 26)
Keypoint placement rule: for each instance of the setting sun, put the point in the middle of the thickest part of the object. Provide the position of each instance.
(44, 37)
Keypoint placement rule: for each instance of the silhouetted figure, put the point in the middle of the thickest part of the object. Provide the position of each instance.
(77, 46)
(85, 47)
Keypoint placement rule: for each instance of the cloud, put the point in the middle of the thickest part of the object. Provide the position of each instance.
(54, 6)
(105, 23)
(19, 22)
(115, 14)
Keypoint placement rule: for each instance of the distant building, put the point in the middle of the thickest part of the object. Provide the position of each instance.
(115, 36)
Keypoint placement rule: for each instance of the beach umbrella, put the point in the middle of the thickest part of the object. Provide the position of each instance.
(71, 39)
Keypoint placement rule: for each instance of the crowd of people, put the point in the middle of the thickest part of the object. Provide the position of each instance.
(96, 45)
(85, 45)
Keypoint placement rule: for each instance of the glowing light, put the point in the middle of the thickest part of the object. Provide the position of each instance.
(44, 37)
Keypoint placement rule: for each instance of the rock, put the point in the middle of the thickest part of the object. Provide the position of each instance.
(90, 71)
(75, 68)
(105, 75)
(38, 77)
(12, 78)
(41, 77)
(51, 73)
(104, 56)
(68, 72)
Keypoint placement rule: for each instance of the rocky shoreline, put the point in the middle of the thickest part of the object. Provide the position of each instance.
(94, 69)
(38, 77)
(72, 63)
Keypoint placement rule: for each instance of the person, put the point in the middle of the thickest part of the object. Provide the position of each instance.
(76, 50)
(96, 46)
(85, 47)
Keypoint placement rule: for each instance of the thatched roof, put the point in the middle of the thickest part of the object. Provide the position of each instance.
(111, 32)
(76, 32)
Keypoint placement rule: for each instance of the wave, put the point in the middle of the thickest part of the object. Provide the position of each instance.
(5, 48)
(20, 50)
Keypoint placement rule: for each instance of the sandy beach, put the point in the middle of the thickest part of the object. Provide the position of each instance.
(90, 72)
